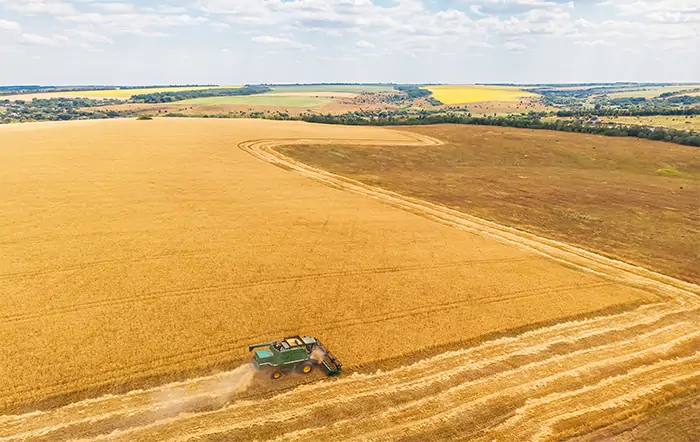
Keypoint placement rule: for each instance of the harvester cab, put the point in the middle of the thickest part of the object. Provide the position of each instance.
(294, 353)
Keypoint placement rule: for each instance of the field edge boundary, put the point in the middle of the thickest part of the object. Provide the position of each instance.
(584, 260)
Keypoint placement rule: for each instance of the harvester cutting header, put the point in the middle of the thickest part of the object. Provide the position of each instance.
(294, 353)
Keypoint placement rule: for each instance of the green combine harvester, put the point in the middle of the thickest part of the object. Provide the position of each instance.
(294, 353)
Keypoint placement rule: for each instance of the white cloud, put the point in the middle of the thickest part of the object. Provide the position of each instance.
(165, 9)
(637, 7)
(115, 7)
(90, 36)
(512, 7)
(7, 25)
(592, 43)
(32, 7)
(410, 33)
(39, 40)
(143, 24)
(514, 46)
(281, 42)
(89, 47)
(220, 26)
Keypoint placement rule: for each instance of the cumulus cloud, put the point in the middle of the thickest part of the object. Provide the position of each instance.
(592, 43)
(512, 7)
(90, 36)
(7, 25)
(115, 7)
(347, 29)
(31, 7)
(39, 40)
(514, 46)
(281, 42)
(143, 24)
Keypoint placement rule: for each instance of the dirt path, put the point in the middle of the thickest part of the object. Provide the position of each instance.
(553, 382)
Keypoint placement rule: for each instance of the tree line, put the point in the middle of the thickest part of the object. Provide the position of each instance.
(55, 109)
(630, 112)
(171, 96)
(528, 121)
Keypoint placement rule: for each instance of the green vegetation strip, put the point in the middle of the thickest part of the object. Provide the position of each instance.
(529, 121)
(169, 97)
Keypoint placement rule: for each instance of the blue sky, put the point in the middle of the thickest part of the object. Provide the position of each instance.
(418, 41)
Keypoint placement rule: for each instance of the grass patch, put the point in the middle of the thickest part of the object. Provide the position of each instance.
(672, 172)
(679, 122)
(144, 117)
(579, 159)
(651, 92)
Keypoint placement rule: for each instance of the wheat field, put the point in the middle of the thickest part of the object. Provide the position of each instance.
(110, 93)
(137, 253)
(460, 94)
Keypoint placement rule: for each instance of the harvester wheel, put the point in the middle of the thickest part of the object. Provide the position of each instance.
(306, 367)
(276, 374)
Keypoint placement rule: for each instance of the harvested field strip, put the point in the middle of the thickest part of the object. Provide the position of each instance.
(569, 364)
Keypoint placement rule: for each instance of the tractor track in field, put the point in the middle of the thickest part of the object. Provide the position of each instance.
(554, 382)
(155, 295)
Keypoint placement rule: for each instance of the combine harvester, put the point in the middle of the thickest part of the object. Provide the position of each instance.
(294, 353)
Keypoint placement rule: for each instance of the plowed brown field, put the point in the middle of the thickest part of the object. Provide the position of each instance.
(137, 252)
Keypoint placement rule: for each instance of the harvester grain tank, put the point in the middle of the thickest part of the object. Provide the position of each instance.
(294, 353)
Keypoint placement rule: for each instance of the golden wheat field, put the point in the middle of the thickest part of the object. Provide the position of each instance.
(110, 93)
(458, 94)
(146, 256)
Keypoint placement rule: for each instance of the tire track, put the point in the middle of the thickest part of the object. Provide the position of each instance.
(86, 265)
(166, 294)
